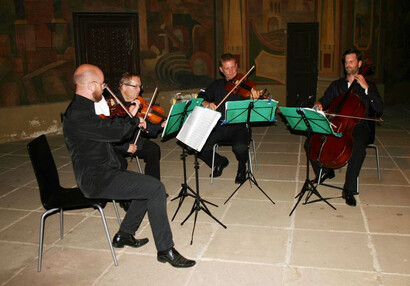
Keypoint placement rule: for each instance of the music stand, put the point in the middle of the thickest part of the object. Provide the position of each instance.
(193, 135)
(309, 121)
(247, 111)
(176, 118)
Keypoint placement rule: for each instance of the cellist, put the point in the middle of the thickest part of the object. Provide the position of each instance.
(364, 132)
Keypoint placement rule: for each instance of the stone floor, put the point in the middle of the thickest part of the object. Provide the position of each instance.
(262, 245)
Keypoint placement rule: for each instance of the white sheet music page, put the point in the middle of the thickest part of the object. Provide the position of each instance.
(198, 126)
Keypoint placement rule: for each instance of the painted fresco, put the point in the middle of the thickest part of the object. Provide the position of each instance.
(37, 54)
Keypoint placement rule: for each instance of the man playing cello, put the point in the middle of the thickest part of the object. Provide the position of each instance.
(363, 132)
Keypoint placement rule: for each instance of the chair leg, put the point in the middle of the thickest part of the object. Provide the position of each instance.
(117, 213)
(357, 185)
(214, 150)
(41, 238)
(61, 224)
(376, 149)
(139, 164)
(114, 257)
(250, 159)
(254, 154)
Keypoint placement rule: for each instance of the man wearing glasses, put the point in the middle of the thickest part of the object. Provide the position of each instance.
(98, 171)
(128, 91)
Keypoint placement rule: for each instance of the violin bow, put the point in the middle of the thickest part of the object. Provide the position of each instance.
(119, 101)
(146, 113)
(355, 117)
(236, 85)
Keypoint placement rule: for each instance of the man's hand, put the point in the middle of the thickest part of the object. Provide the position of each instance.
(255, 94)
(209, 105)
(134, 107)
(318, 106)
(143, 123)
(132, 149)
(362, 81)
(163, 123)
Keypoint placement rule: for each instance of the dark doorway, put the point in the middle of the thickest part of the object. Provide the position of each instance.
(302, 64)
(109, 41)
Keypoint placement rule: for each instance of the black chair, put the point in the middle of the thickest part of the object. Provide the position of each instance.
(54, 197)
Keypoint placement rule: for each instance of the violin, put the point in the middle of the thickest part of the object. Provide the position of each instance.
(115, 108)
(347, 109)
(155, 114)
(243, 88)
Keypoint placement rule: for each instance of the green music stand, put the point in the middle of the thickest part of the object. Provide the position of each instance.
(309, 121)
(247, 111)
(178, 114)
(262, 111)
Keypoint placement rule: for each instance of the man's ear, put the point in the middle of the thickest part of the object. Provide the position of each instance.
(90, 86)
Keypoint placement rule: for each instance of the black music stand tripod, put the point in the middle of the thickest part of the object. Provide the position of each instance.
(308, 186)
(183, 193)
(249, 175)
(199, 203)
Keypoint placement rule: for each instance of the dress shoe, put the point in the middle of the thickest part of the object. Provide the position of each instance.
(125, 204)
(325, 176)
(173, 257)
(240, 177)
(120, 240)
(349, 198)
(220, 167)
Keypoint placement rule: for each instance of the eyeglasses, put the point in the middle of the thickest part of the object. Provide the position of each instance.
(103, 84)
(134, 86)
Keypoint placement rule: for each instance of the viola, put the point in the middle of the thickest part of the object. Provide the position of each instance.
(243, 88)
(155, 114)
(347, 109)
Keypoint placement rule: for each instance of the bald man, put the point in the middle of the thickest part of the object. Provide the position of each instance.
(98, 169)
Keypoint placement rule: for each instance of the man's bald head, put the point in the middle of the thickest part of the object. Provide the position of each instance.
(85, 73)
(88, 80)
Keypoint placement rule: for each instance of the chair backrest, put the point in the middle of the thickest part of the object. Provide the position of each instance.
(45, 169)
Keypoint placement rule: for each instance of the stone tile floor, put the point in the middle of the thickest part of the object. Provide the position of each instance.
(262, 245)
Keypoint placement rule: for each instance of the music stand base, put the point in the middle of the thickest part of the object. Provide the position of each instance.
(309, 187)
(251, 178)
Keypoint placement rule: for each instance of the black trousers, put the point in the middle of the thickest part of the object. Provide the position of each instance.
(147, 195)
(361, 138)
(236, 135)
(151, 153)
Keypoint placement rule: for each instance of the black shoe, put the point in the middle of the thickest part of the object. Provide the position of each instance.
(240, 177)
(125, 204)
(220, 167)
(120, 240)
(325, 176)
(349, 198)
(173, 257)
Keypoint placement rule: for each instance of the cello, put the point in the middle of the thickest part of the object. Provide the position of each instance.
(347, 110)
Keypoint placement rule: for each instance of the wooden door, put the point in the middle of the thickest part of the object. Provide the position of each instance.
(302, 64)
(109, 41)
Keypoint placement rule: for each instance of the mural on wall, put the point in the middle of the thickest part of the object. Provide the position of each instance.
(180, 44)
(37, 53)
(266, 29)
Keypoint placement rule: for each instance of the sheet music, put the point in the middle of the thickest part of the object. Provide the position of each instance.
(198, 126)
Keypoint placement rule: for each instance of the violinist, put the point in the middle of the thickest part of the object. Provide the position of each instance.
(235, 134)
(363, 132)
(98, 171)
(129, 91)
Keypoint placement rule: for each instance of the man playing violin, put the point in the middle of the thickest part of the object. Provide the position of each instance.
(235, 134)
(129, 89)
(98, 169)
(364, 132)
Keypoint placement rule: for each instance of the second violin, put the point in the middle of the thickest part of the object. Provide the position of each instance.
(156, 113)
